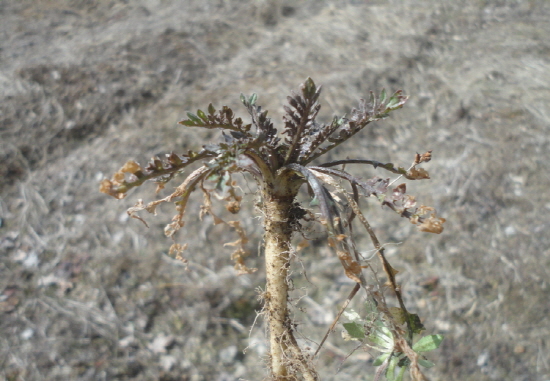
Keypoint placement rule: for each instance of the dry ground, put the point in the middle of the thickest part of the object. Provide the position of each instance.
(86, 294)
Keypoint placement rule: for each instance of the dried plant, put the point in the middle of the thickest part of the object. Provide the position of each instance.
(281, 165)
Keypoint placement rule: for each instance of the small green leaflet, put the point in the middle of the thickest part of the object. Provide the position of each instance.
(428, 343)
(425, 363)
(211, 109)
(382, 96)
(193, 117)
(380, 359)
(356, 331)
(202, 115)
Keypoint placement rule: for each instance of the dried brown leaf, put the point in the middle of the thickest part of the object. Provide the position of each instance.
(172, 228)
(130, 167)
(132, 212)
(425, 157)
(176, 250)
(233, 207)
(417, 174)
(433, 224)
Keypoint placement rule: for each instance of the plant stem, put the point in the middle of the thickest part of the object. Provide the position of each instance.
(286, 355)
(278, 233)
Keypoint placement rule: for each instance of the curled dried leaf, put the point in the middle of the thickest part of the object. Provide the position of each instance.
(417, 174)
(177, 248)
(425, 209)
(399, 191)
(351, 274)
(173, 227)
(233, 207)
(352, 268)
(118, 178)
(132, 212)
(424, 158)
(130, 167)
(242, 269)
(175, 252)
(240, 231)
(432, 224)
(409, 202)
(106, 186)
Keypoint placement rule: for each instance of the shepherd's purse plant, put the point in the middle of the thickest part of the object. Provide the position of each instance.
(282, 164)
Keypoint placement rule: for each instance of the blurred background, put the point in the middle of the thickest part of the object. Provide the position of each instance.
(88, 294)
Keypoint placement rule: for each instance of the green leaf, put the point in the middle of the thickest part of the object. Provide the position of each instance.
(396, 101)
(380, 359)
(202, 115)
(425, 363)
(187, 123)
(383, 338)
(211, 109)
(401, 374)
(428, 343)
(309, 88)
(371, 100)
(393, 101)
(383, 96)
(415, 323)
(194, 118)
(398, 314)
(252, 99)
(356, 331)
(390, 372)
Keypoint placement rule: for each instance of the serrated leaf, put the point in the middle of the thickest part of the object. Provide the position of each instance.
(428, 343)
(380, 359)
(194, 118)
(425, 363)
(356, 331)
(202, 115)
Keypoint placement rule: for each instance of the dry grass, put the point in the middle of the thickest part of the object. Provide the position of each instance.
(86, 294)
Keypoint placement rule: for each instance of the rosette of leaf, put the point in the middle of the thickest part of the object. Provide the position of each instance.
(281, 165)
(260, 152)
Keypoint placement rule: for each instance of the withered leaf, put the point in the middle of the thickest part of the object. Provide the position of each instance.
(417, 174)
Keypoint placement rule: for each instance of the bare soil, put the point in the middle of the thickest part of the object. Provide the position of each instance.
(88, 294)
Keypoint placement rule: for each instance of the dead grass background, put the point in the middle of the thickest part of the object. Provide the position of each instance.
(86, 294)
